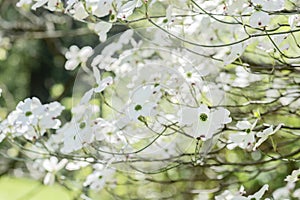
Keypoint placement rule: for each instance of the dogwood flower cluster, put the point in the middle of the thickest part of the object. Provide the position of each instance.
(32, 119)
(177, 99)
(228, 195)
(150, 104)
(247, 138)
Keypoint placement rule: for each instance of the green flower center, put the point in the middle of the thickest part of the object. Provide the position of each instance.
(138, 107)
(189, 74)
(109, 133)
(203, 117)
(28, 113)
(82, 125)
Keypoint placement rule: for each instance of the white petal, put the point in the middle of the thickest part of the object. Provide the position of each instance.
(85, 53)
(204, 130)
(71, 64)
(237, 138)
(61, 164)
(259, 194)
(49, 179)
(80, 12)
(102, 28)
(266, 132)
(72, 53)
(47, 165)
(188, 115)
(293, 177)
(97, 74)
(87, 96)
(39, 4)
(128, 8)
(236, 51)
(104, 84)
(142, 94)
(104, 8)
(243, 125)
(203, 109)
(221, 116)
(52, 4)
(259, 19)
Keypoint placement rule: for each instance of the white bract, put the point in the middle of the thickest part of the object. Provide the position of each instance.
(269, 5)
(128, 8)
(101, 28)
(79, 11)
(51, 4)
(105, 131)
(294, 20)
(235, 52)
(259, 19)
(104, 7)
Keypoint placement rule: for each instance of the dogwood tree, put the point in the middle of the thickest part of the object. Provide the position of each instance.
(191, 99)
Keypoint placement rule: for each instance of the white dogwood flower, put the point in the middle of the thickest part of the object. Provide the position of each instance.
(294, 177)
(228, 195)
(259, 19)
(100, 86)
(245, 139)
(52, 166)
(265, 134)
(204, 121)
(143, 102)
(99, 177)
(76, 56)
